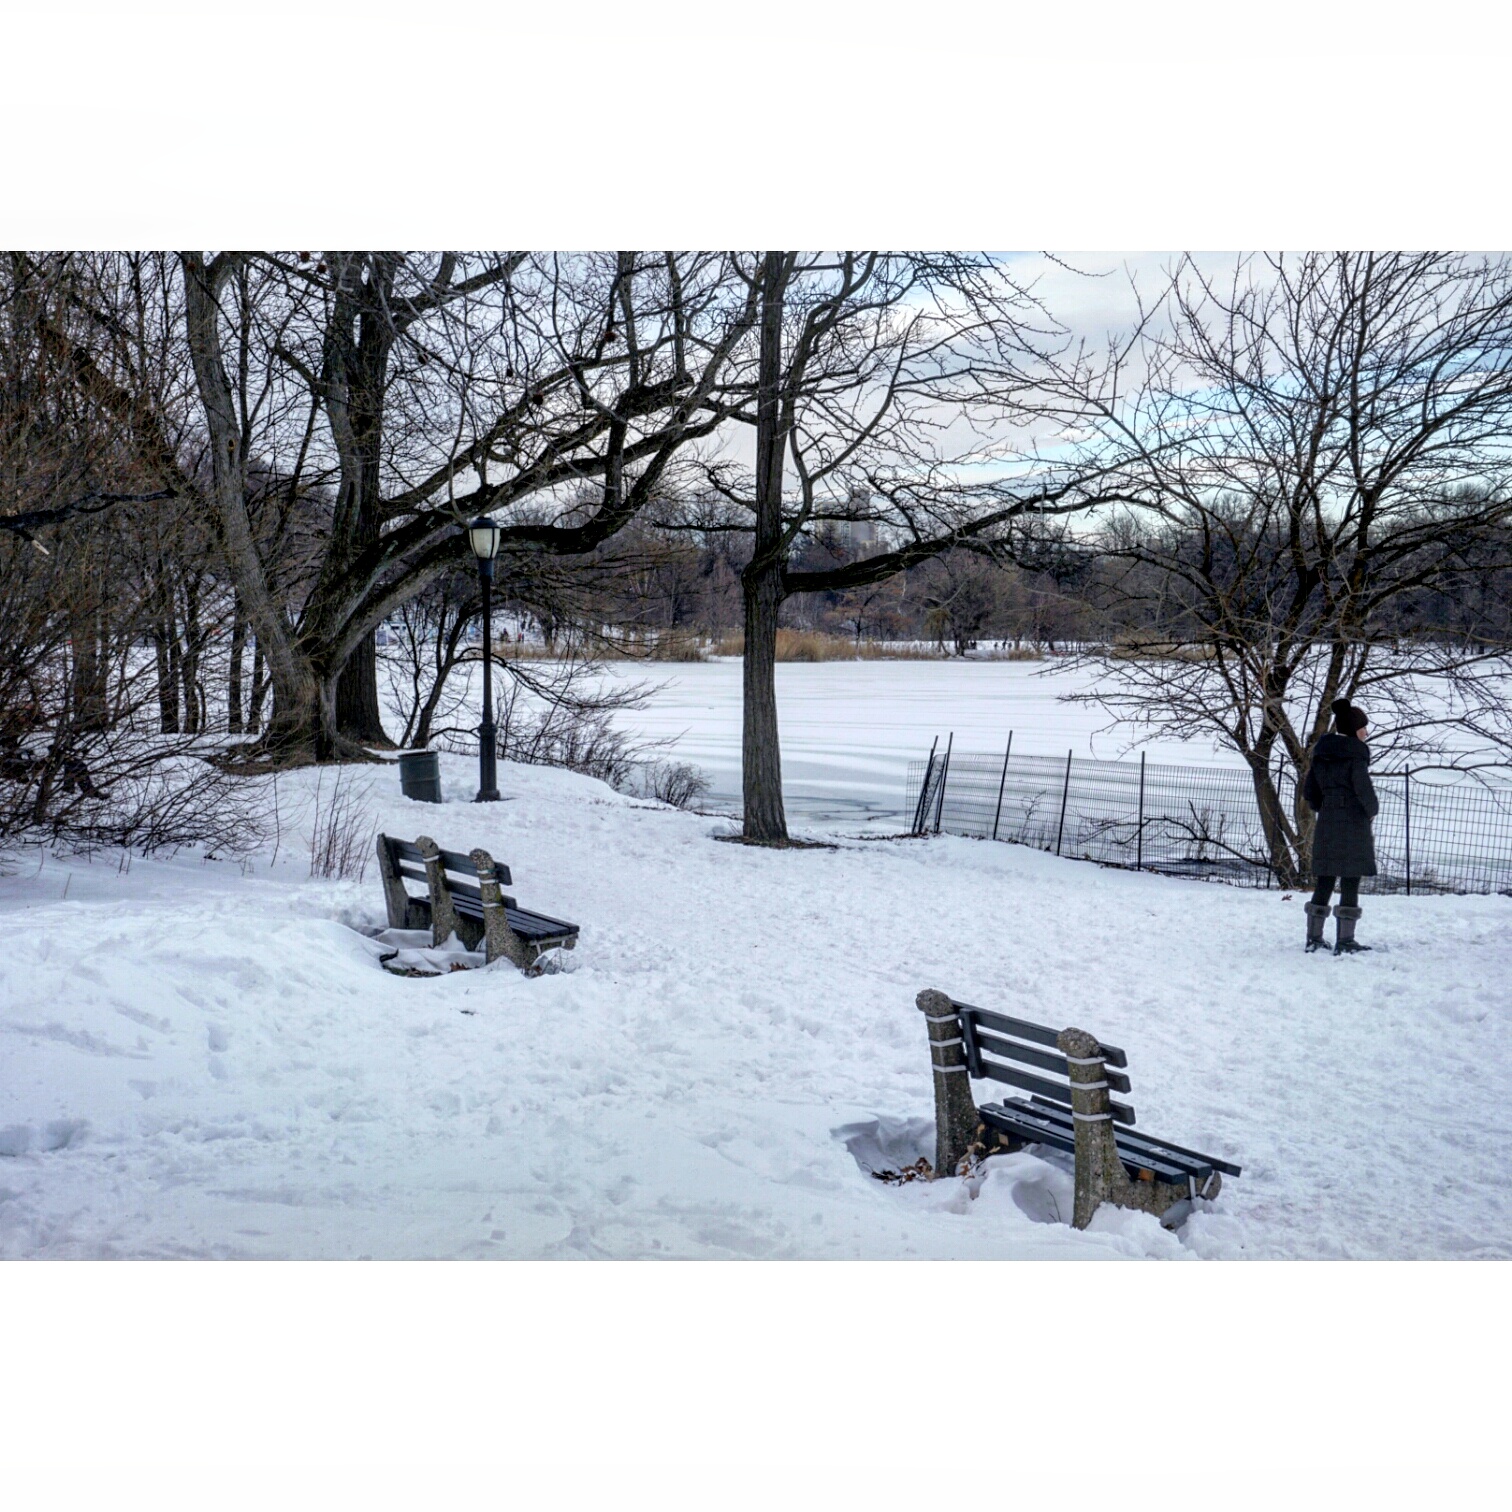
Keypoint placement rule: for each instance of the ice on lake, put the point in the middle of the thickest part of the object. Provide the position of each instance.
(849, 729)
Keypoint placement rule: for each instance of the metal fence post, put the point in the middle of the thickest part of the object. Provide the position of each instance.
(1139, 855)
(1407, 789)
(922, 804)
(944, 778)
(998, 814)
(1065, 793)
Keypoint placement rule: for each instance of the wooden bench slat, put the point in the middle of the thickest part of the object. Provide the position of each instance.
(452, 861)
(456, 889)
(1039, 1034)
(1157, 1143)
(994, 1045)
(1187, 1161)
(1061, 1135)
(1122, 1112)
(532, 926)
(1022, 1122)
(535, 926)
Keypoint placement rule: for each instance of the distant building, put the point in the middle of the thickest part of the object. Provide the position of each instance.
(858, 535)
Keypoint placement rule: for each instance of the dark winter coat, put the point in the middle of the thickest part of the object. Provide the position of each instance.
(1338, 787)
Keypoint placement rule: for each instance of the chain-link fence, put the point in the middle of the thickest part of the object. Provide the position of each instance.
(1436, 831)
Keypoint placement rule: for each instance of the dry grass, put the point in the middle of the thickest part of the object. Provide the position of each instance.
(656, 645)
(817, 646)
(792, 646)
(668, 646)
(530, 651)
(1130, 645)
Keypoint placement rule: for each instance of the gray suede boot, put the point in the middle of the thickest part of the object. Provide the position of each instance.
(1344, 940)
(1317, 914)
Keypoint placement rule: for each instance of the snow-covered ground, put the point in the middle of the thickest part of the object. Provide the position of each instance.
(205, 1058)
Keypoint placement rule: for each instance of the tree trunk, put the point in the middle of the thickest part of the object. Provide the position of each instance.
(234, 678)
(761, 750)
(761, 582)
(91, 685)
(1287, 866)
(358, 713)
(359, 341)
(303, 721)
(194, 721)
(167, 679)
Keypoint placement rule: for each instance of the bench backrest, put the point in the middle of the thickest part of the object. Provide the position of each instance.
(409, 861)
(997, 1046)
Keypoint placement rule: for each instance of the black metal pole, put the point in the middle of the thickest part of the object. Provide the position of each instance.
(1065, 793)
(919, 807)
(1139, 858)
(944, 778)
(488, 777)
(1407, 788)
(1001, 784)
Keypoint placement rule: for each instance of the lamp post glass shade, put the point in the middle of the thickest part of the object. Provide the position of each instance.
(484, 535)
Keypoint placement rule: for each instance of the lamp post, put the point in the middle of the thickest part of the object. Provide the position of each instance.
(483, 533)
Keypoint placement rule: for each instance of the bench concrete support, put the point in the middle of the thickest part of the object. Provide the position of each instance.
(1100, 1173)
(499, 939)
(956, 1116)
(444, 919)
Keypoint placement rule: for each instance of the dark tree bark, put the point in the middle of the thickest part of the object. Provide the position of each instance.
(165, 647)
(194, 713)
(234, 706)
(359, 345)
(358, 713)
(761, 581)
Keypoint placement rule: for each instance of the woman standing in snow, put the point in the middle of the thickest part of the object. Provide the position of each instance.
(1339, 790)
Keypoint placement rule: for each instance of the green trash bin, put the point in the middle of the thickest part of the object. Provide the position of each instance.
(420, 776)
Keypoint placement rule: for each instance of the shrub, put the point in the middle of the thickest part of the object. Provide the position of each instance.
(341, 839)
(679, 783)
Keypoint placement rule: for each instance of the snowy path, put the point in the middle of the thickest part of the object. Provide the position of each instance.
(197, 1063)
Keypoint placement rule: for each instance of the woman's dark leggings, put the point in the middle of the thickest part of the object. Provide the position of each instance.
(1349, 891)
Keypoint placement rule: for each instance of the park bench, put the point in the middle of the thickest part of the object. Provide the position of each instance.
(1070, 1077)
(465, 897)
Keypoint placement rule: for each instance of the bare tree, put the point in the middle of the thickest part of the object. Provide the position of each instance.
(1314, 459)
(877, 388)
(82, 758)
(964, 593)
(448, 385)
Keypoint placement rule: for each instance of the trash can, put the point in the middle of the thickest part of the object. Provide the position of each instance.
(420, 776)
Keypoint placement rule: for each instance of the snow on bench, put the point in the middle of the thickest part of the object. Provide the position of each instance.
(1074, 1112)
(476, 911)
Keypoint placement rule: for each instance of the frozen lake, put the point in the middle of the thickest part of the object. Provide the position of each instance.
(849, 729)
